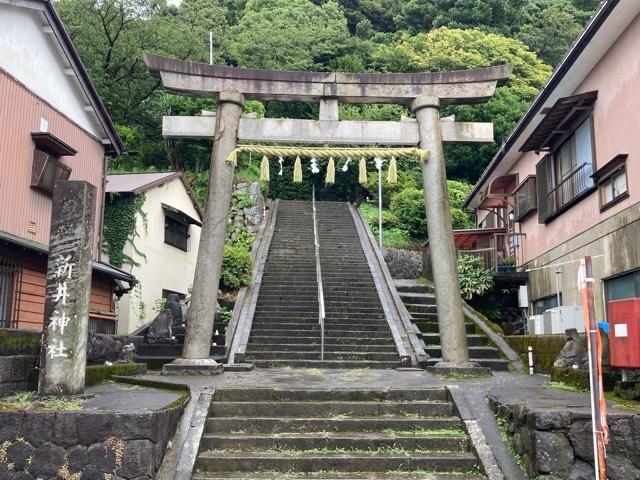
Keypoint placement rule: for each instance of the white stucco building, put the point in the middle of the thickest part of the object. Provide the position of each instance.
(166, 243)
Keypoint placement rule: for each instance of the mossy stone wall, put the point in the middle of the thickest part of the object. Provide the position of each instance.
(545, 349)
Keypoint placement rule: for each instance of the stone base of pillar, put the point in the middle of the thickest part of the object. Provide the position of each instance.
(192, 366)
(460, 369)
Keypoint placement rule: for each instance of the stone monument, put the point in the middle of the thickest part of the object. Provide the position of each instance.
(66, 310)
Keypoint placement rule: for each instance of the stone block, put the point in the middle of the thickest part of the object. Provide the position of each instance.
(138, 459)
(37, 430)
(22, 476)
(581, 437)
(548, 420)
(581, 471)
(77, 458)
(10, 425)
(46, 461)
(92, 473)
(64, 429)
(18, 453)
(103, 456)
(552, 453)
(16, 368)
(621, 468)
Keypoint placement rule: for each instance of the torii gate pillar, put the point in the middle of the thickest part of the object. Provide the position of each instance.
(197, 342)
(453, 337)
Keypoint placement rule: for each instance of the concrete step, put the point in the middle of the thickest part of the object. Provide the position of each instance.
(473, 340)
(322, 475)
(418, 298)
(420, 308)
(257, 425)
(483, 352)
(492, 363)
(313, 409)
(174, 351)
(313, 340)
(348, 364)
(332, 441)
(403, 287)
(315, 347)
(218, 460)
(273, 394)
(328, 355)
(432, 327)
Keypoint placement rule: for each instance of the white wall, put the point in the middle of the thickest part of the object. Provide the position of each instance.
(31, 56)
(165, 266)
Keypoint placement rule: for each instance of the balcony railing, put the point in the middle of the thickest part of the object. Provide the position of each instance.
(505, 250)
(577, 182)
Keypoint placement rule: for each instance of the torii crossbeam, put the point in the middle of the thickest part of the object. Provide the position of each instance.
(424, 92)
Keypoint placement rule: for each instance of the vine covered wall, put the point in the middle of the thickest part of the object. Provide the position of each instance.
(120, 226)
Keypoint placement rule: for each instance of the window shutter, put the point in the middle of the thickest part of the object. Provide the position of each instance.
(544, 184)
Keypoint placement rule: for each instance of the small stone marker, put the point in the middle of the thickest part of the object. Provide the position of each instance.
(64, 348)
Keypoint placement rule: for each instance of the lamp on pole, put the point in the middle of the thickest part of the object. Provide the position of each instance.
(379, 161)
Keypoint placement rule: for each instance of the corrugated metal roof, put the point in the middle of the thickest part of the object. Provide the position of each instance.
(137, 182)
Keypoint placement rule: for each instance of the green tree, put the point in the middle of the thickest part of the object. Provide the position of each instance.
(551, 31)
(454, 49)
(202, 17)
(288, 35)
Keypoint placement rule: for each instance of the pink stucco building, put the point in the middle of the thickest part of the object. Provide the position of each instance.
(53, 126)
(566, 183)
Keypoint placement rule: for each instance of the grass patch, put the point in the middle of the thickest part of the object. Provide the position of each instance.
(29, 402)
(623, 403)
(562, 386)
(425, 432)
(507, 439)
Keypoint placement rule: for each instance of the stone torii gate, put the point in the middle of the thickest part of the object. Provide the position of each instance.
(424, 92)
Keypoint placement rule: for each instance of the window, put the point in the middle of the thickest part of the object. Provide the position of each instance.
(565, 176)
(543, 304)
(10, 285)
(612, 182)
(525, 198)
(176, 233)
(623, 286)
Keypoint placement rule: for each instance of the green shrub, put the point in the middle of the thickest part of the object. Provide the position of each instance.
(408, 207)
(237, 268)
(474, 278)
(460, 219)
(370, 214)
(389, 190)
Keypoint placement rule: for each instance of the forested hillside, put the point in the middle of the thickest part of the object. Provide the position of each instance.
(327, 35)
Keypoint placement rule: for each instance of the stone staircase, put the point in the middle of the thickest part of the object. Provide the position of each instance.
(420, 300)
(266, 433)
(285, 329)
(156, 355)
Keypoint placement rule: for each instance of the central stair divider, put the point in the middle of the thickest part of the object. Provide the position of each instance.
(321, 310)
(404, 332)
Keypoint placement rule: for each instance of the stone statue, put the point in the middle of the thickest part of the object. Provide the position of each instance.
(573, 352)
(103, 348)
(160, 329)
(128, 354)
(173, 304)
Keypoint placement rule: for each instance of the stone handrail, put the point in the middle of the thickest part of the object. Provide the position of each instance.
(404, 333)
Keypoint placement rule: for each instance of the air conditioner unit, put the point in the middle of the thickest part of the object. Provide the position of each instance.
(557, 320)
(535, 324)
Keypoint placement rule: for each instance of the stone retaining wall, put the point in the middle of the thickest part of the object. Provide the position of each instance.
(558, 444)
(84, 445)
(18, 352)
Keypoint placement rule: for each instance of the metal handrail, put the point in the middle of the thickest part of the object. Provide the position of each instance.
(316, 239)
